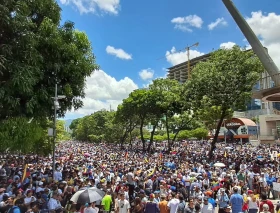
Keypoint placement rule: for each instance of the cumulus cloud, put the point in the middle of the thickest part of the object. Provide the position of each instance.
(266, 27)
(187, 23)
(218, 22)
(175, 58)
(146, 74)
(95, 6)
(119, 53)
(104, 92)
(227, 45)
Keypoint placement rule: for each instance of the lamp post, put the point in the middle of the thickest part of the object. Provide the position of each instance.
(189, 63)
(56, 107)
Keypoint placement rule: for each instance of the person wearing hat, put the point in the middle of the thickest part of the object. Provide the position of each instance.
(207, 207)
(222, 200)
(227, 209)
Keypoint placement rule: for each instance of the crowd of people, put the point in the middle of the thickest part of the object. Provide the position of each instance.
(239, 178)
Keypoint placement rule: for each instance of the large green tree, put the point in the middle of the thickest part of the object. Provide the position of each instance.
(169, 102)
(225, 81)
(36, 53)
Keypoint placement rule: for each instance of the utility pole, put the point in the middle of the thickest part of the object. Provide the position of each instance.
(56, 107)
(54, 127)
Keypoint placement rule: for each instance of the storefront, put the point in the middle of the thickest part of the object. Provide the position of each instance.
(238, 130)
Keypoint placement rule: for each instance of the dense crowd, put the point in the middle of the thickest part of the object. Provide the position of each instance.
(240, 178)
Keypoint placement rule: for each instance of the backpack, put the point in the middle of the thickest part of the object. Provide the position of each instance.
(11, 210)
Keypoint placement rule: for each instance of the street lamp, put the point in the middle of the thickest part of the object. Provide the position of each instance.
(189, 63)
(56, 107)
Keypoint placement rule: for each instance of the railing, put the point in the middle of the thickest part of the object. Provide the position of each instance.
(266, 82)
(257, 112)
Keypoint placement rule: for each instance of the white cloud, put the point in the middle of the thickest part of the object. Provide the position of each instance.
(175, 58)
(146, 74)
(187, 23)
(64, 1)
(227, 45)
(95, 6)
(119, 53)
(104, 92)
(266, 27)
(218, 22)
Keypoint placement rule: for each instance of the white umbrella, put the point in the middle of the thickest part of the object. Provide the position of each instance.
(219, 165)
(228, 147)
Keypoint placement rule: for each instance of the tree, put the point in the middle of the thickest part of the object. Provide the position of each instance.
(73, 126)
(199, 133)
(183, 121)
(36, 53)
(169, 102)
(96, 127)
(126, 120)
(141, 103)
(61, 134)
(224, 81)
(24, 135)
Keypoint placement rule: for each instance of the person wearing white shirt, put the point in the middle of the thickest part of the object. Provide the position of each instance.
(173, 203)
(123, 205)
(207, 207)
(91, 208)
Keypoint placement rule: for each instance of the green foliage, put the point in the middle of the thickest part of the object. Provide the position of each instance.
(36, 53)
(199, 133)
(24, 136)
(61, 134)
(96, 127)
(222, 84)
(73, 126)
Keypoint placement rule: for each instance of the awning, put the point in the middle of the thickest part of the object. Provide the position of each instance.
(241, 136)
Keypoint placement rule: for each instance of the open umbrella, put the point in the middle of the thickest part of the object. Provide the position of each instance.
(219, 165)
(87, 155)
(88, 195)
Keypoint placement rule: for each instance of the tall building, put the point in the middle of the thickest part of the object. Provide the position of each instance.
(269, 128)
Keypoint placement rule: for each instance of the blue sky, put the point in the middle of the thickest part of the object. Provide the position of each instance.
(129, 37)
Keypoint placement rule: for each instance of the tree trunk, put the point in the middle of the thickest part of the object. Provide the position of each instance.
(175, 136)
(123, 138)
(213, 144)
(167, 132)
(151, 138)
(130, 140)
(141, 135)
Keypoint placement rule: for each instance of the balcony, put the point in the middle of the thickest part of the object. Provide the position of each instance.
(267, 90)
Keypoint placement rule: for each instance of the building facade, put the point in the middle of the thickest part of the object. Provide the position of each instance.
(267, 113)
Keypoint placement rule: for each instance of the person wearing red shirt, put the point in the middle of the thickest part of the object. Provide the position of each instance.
(268, 202)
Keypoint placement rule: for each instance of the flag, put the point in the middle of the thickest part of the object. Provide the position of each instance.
(126, 155)
(146, 160)
(152, 172)
(26, 173)
(160, 155)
